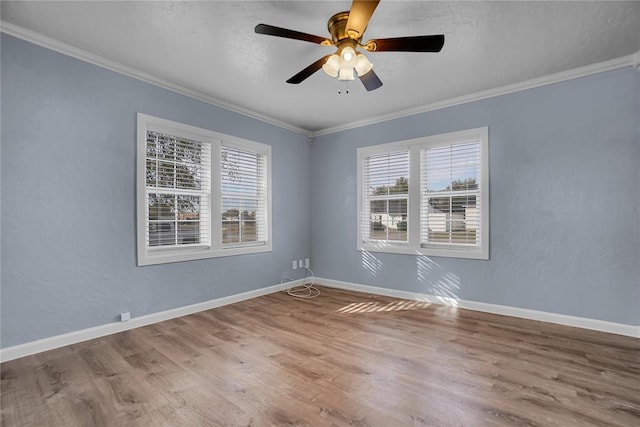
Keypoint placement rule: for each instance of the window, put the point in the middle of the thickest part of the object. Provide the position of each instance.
(426, 196)
(387, 190)
(243, 197)
(177, 190)
(200, 194)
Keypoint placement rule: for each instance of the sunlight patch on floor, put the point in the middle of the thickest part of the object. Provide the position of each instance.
(376, 307)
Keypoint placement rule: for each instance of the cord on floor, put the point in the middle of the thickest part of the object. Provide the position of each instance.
(306, 290)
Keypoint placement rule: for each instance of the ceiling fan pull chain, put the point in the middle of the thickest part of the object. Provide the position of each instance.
(346, 82)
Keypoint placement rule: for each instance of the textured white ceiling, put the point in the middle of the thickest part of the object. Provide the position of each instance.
(211, 48)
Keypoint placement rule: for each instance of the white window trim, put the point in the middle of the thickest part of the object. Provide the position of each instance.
(187, 253)
(413, 244)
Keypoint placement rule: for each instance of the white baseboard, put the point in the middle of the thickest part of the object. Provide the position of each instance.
(33, 347)
(561, 319)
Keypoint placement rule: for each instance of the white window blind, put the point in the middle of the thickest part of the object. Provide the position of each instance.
(177, 191)
(386, 198)
(200, 194)
(426, 196)
(243, 184)
(450, 202)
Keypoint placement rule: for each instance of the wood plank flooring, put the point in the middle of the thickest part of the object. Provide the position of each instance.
(344, 358)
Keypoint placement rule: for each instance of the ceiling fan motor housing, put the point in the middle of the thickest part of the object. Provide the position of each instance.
(337, 27)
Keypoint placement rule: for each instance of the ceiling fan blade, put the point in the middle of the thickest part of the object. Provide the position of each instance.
(359, 15)
(407, 44)
(371, 81)
(304, 74)
(270, 30)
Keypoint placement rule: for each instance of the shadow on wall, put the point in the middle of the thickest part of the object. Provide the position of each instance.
(434, 279)
(443, 284)
(370, 263)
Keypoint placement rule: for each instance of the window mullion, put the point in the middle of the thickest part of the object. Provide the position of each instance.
(413, 208)
(175, 218)
(215, 201)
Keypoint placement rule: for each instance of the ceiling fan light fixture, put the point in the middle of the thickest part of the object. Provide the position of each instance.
(346, 74)
(348, 55)
(363, 66)
(332, 66)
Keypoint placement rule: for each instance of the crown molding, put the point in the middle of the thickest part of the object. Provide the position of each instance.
(83, 55)
(626, 61)
(632, 60)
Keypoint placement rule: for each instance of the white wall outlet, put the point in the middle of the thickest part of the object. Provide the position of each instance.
(300, 263)
(307, 262)
(295, 264)
(125, 316)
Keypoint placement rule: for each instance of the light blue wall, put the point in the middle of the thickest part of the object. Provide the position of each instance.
(68, 198)
(565, 202)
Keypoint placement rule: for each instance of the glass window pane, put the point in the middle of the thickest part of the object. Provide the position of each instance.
(249, 208)
(377, 229)
(188, 233)
(188, 207)
(249, 231)
(162, 233)
(378, 206)
(401, 186)
(452, 168)
(189, 152)
(241, 172)
(188, 176)
(439, 204)
(438, 236)
(166, 175)
(231, 209)
(152, 149)
(166, 147)
(398, 207)
(161, 207)
(396, 234)
(463, 236)
(387, 174)
(230, 231)
(151, 172)
(452, 219)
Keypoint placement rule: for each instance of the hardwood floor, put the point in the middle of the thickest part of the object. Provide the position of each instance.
(343, 358)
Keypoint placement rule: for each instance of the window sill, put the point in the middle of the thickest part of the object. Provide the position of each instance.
(154, 257)
(405, 249)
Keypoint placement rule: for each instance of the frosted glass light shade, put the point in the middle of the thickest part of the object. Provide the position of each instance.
(348, 56)
(332, 66)
(363, 66)
(346, 74)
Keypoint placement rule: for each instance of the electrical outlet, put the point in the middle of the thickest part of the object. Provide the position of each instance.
(306, 262)
(300, 263)
(125, 316)
(295, 264)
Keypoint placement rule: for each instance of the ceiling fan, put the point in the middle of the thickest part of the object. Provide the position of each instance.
(347, 29)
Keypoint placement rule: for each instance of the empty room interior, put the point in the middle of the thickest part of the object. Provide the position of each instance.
(322, 213)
